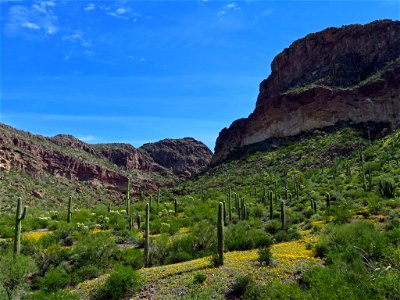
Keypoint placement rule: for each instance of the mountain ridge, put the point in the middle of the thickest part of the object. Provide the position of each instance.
(105, 165)
(347, 74)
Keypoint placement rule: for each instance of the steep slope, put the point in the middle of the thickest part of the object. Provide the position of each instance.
(102, 165)
(347, 75)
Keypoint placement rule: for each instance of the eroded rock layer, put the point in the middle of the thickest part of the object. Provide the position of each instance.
(349, 74)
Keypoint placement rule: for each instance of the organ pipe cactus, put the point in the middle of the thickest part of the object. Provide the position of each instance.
(69, 213)
(220, 233)
(20, 215)
(146, 238)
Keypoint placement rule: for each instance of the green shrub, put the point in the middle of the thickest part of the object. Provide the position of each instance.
(85, 273)
(240, 285)
(265, 256)
(131, 257)
(13, 272)
(243, 236)
(117, 285)
(54, 279)
(199, 278)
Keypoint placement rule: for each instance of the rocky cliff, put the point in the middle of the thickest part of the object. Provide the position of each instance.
(342, 75)
(102, 165)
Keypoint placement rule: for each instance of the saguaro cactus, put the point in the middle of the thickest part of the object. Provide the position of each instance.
(138, 221)
(362, 169)
(150, 203)
(328, 201)
(283, 215)
(69, 213)
(176, 207)
(220, 233)
(20, 215)
(146, 238)
(109, 208)
(230, 206)
(128, 197)
(271, 207)
(225, 223)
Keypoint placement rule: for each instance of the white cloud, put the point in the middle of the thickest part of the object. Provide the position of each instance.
(77, 38)
(35, 21)
(90, 6)
(31, 25)
(221, 13)
(232, 6)
(228, 7)
(120, 11)
(87, 138)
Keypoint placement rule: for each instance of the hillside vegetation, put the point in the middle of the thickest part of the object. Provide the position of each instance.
(318, 219)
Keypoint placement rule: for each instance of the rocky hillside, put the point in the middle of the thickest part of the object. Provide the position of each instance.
(346, 75)
(103, 165)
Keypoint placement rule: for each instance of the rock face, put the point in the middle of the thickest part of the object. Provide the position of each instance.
(185, 157)
(103, 165)
(349, 74)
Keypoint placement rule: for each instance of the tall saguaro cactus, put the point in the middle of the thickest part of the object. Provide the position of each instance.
(128, 197)
(138, 221)
(146, 238)
(271, 207)
(283, 221)
(225, 223)
(328, 201)
(220, 233)
(20, 215)
(230, 206)
(69, 212)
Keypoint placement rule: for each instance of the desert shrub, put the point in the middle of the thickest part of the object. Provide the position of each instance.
(274, 290)
(287, 235)
(95, 249)
(359, 241)
(131, 257)
(124, 278)
(13, 272)
(240, 285)
(199, 278)
(273, 226)
(85, 273)
(265, 256)
(54, 279)
(242, 236)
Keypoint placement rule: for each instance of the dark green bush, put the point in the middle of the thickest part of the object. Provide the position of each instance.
(240, 285)
(131, 257)
(265, 256)
(117, 285)
(243, 236)
(199, 278)
(54, 279)
(85, 273)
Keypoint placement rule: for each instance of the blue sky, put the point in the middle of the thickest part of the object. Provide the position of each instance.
(141, 71)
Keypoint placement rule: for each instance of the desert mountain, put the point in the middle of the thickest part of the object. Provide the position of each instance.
(104, 165)
(348, 75)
